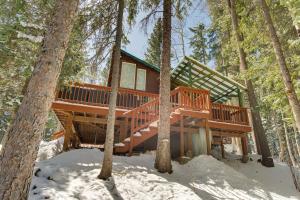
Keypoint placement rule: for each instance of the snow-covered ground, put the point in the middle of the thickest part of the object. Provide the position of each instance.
(73, 175)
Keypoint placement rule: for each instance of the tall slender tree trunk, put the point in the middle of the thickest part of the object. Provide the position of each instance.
(281, 137)
(289, 88)
(20, 151)
(163, 154)
(288, 144)
(259, 131)
(106, 169)
(296, 135)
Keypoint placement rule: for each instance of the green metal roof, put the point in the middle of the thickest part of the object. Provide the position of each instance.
(190, 72)
(140, 60)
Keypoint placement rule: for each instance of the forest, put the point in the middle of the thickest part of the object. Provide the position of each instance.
(46, 45)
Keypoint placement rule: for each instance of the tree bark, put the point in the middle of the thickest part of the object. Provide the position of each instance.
(289, 148)
(296, 135)
(281, 137)
(20, 151)
(163, 155)
(106, 170)
(289, 88)
(259, 131)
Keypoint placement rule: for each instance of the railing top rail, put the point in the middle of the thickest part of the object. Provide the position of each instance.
(89, 85)
(231, 106)
(192, 89)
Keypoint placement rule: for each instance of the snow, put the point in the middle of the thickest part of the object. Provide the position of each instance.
(31, 38)
(50, 149)
(73, 175)
(137, 134)
(120, 144)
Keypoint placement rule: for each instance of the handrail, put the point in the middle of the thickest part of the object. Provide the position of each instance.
(181, 97)
(85, 93)
(230, 114)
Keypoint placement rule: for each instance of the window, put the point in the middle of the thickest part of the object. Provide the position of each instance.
(141, 79)
(128, 75)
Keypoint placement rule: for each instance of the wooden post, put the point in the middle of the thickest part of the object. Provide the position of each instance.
(75, 139)
(131, 135)
(68, 132)
(123, 130)
(208, 142)
(190, 144)
(181, 137)
(245, 149)
(222, 148)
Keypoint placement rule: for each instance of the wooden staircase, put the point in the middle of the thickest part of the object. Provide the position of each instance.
(144, 119)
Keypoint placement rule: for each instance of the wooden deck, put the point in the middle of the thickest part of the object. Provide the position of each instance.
(83, 108)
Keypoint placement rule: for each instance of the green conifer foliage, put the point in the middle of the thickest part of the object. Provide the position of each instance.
(199, 43)
(153, 54)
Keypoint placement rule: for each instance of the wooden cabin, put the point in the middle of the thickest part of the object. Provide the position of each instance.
(206, 109)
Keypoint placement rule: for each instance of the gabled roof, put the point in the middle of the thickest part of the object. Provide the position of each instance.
(190, 72)
(140, 60)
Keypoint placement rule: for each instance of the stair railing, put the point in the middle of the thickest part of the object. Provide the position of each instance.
(181, 97)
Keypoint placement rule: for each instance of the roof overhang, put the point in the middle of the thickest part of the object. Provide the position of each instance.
(190, 72)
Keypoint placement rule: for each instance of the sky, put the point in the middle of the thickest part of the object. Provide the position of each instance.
(138, 38)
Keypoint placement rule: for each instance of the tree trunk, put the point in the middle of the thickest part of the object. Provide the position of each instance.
(291, 155)
(259, 132)
(296, 135)
(281, 137)
(106, 169)
(20, 151)
(163, 155)
(289, 88)
(297, 27)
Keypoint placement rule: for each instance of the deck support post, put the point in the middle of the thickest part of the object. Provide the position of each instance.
(245, 157)
(75, 139)
(222, 148)
(190, 145)
(208, 142)
(68, 132)
(123, 130)
(131, 136)
(181, 136)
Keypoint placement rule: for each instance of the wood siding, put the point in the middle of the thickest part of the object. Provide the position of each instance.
(152, 76)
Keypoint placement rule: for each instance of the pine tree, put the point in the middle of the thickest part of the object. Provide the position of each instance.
(153, 54)
(199, 43)
(259, 131)
(163, 153)
(20, 150)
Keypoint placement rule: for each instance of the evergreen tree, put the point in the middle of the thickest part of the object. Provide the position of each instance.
(153, 54)
(20, 150)
(199, 43)
(106, 170)
(163, 153)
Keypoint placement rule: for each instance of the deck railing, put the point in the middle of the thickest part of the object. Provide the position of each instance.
(99, 95)
(181, 97)
(230, 114)
(144, 106)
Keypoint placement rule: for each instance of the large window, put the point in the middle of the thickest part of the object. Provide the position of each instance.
(128, 73)
(141, 79)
